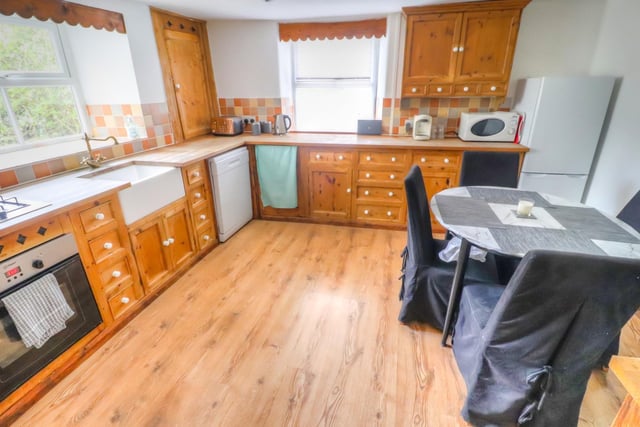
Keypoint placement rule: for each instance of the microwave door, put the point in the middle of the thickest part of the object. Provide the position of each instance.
(488, 127)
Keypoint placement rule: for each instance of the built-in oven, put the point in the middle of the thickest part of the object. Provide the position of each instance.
(58, 257)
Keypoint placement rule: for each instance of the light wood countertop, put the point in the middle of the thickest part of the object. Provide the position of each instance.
(65, 191)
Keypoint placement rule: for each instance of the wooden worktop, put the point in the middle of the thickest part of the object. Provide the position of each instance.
(69, 189)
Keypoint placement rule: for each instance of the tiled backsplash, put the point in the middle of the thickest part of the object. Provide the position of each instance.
(395, 112)
(152, 119)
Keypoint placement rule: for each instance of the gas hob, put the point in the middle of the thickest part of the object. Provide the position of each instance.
(13, 207)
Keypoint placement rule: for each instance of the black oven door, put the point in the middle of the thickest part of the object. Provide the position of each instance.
(18, 363)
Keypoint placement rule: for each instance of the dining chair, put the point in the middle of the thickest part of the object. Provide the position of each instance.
(426, 280)
(489, 168)
(526, 350)
(630, 213)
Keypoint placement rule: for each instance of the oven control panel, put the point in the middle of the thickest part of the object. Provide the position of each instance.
(32, 262)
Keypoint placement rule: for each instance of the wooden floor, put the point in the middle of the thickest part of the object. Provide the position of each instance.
(283, 325)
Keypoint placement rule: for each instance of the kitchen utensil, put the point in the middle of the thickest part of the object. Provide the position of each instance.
(281, 124)
(265, 127)
(255, 128)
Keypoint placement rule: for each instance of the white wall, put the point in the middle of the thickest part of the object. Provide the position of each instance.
(245, 58)
(616, 177)
(103, 65)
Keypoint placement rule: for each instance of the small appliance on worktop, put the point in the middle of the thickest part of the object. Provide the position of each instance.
(227, 125)
(497, 126)
(422, 127)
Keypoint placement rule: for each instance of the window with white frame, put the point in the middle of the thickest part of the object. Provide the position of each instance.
(334, 83)
(38, 96)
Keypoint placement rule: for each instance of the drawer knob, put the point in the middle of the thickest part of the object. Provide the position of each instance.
(366, 211)
(198, 195)
(340, 157)
(366, 192)
(461, 49)
(116, 274)
(392, 176)
(107, 245)
(446, 160)
(166, 243)
(348, 190)
(368, 158)
(393, 159)
(99, 216)
(196, 174)
(206, 237)
(414, 89)
(466, 89)
(455, 48)
(439, 89)
(389, 213)
(171, 240)
(493, 88)
(125, 300)
(317, 156)
(367, 175)
(390, 193)
(423, 159)
(203, 217)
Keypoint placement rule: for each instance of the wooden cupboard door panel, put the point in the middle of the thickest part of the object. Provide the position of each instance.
(489, 40)
(330, 194)
(150, 255)
(431, 39)
(434, 184)
(189, 79)
(181, 245)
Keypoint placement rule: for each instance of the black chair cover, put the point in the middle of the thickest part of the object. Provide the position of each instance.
(526, 350)
(426, 280)
(489, 168)
(631, 212)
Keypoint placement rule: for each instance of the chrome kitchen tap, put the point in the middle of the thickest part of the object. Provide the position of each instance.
(95, 161)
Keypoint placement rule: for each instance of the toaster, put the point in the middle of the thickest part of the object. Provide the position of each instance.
(227, 125)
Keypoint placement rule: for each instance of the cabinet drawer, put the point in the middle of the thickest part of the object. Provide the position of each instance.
(380, 194)
(195, 173)
(437, 160)
(465, 89)
(198, 196)
(206, 236)
(105, 245)
(388, 159)
(29, 237)
(392, 178)
(201, 216)
(124, 299)
(493, 89)
(335, 157)
(97, 217)
(439, 89)
(378, 213)
(414, 90)
(113, 273)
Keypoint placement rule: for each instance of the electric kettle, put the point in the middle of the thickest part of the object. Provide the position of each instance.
(281, 124)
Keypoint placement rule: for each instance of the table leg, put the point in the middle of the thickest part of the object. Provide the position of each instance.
(456, 288)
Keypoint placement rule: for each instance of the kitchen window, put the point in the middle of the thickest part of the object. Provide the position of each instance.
(39, 101)
(334, 83)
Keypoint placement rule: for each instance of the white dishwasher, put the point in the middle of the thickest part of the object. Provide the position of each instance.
(231, 191)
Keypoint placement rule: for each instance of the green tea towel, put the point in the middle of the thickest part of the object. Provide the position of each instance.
(277, 175)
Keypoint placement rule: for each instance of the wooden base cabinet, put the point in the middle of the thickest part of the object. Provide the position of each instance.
(200, 204)
(162, 243)
(330, 183)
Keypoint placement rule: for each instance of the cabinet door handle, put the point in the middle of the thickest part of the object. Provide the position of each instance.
(423, 159)
(206, 237)
(116, 274)
(198, 195)
(171, 240)
(390, 193)
(196, 174)
(203, 217)
(455, 48)
(392, 176)
(461, 49)
(125, 300)
(366, 192)
(177, 85)
(166, 243)
(99, 216)
(348, 190)
(366, 211)
(107, 245)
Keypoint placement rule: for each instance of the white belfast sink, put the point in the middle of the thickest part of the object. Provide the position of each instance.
(152, 187)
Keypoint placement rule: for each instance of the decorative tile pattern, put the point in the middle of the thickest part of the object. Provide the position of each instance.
(258, 108)
(151, 120)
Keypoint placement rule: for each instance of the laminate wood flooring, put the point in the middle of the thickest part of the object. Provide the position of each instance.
(283, 325)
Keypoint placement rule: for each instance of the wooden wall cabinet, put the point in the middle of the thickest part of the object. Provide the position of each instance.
(162, 243)
(463, 49)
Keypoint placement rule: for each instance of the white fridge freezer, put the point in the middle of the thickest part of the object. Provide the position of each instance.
(563, 118)
(570, 187)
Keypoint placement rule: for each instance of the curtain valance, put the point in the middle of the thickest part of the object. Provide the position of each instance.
(332, 30)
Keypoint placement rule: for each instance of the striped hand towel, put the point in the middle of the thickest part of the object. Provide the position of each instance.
(38, 310)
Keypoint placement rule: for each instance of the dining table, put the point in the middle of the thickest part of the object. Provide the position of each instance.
(488, 218)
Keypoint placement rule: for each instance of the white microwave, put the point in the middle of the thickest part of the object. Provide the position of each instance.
(498, 126)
